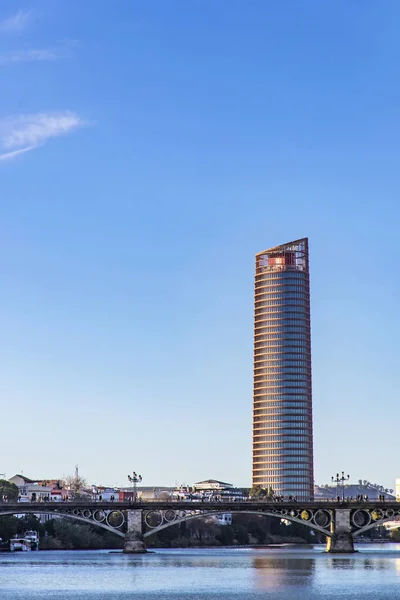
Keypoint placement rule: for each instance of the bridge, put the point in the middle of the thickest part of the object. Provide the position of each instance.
(340, 522)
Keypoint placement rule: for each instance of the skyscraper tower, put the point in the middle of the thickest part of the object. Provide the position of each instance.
(282, 416)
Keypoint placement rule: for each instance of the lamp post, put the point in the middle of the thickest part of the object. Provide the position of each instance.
(341, 480)
(135, 479)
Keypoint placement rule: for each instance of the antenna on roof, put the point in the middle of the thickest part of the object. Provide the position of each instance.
(76, 471)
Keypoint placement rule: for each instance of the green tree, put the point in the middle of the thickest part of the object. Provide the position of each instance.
(259, 493)
(241, 535)
(30, 522)
(226, 535)
(8, 527)
(8, 489)
(395, 535)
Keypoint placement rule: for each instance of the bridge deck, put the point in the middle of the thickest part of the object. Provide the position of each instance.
(211, 506)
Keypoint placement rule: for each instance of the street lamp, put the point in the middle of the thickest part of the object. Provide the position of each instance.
(135, 479)
(341, 480)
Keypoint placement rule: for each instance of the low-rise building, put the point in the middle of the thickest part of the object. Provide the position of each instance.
(105, 493)
(38, 490)
(397, 489)
(219, 490)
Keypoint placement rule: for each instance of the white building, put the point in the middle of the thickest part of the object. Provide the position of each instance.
(31, 491)
(397, 489)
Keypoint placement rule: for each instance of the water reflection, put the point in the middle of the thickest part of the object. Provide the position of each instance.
(276, 572)
(204, 574)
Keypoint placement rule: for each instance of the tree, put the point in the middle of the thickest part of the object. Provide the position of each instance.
(8, 489)
(226, 535)
(241, 535)
(28, 522)
(395, 535)
(75, 484)
(259, 493)
(8, 527)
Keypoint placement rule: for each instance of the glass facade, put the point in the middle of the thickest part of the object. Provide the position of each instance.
(282, 415)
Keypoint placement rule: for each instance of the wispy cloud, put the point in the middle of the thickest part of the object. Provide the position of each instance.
(16, 22)
(11, 155)
(27, 132)
(38, 54)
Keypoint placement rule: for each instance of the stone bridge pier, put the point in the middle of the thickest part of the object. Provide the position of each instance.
(133, 543)
(341, 541)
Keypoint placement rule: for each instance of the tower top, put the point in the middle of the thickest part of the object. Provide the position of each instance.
(292, 256)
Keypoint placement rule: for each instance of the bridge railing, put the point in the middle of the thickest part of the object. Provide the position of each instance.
(214, 502)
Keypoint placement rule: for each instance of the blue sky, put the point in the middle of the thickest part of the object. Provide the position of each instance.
(148, 150)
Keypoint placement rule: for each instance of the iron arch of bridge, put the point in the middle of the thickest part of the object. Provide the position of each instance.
(372, 525)
(67, 515)
(205, 515)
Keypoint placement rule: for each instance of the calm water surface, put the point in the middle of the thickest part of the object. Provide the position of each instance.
(287, 574)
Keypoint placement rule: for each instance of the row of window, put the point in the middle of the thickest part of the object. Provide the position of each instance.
(274, 281)
(283, 296)
(274, 381)
(281, 291)
(283, 345)
(281, 281)
(294, 305)
(285, 288)
(290, 446)
(285, 488)
(265, 394)
(282, 472)
(284, 455)
(278, 338)
(299, 327)
(265, 320)
(284, 377)
(277, 429)
(278, 407)
(290, 462)
(284, 419)
(259, 436)
(283, 480)
(282, 276)
(283, 362)
(262, 394)
(281, 336)
(297, 348)
(286, 480)
(277, 399)
(271, 379)
(282, 412)
(282, 356)
(283, 370)
(280, 308)
(286, 388)
(283, 353)
(281, 434)
(272, 374)
(278, 327)
(280, 313)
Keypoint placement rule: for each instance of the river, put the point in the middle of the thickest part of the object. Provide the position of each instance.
(203, 574)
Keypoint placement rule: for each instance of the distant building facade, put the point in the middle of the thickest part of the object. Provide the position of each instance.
(282, 406)
(218, 490)
(38, 490)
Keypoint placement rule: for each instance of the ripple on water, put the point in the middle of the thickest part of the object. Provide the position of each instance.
(203, 574)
